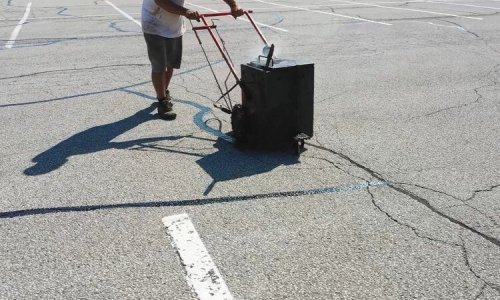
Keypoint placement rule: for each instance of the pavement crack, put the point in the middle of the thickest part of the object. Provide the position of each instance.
(476, 90)
(61, 11)
(462, 246)
(415, 230)
(481, 292)
(193, 92)
(465, 255)
(492, 220)
(429, 189)
(486, 42)
(486, 190)
(336, 166)
(333, 96)
(478, 98)
(115, 26)
(419, 199)
(463, 28)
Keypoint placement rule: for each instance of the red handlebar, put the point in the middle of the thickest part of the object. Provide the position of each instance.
(206, 26)
(221, 14)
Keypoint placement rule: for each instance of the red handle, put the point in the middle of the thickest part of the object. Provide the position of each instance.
(206, 26)
(221, 14)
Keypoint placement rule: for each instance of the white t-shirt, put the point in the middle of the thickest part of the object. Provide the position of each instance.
(158, 21)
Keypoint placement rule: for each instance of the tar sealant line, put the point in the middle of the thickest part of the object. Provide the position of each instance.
(324, 12)
(201, 272)
(408, 9)
(17, 29)
(190, 202)
(124, 13)
(78, 17)
(242, 19)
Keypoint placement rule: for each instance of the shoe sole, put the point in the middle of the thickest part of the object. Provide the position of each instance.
(168, 115)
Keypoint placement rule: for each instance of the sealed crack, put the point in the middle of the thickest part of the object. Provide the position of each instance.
(62, 10)
(72, 70)
(115, 26)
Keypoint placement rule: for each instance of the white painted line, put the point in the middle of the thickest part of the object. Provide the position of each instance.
(124, 13)
(202, 274)
(457, 4)
(241, 19)
(17, 29)
(323, 12)
(408, 9)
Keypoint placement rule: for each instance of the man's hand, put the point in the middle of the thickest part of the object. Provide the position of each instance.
(192, 15)
(236, 11)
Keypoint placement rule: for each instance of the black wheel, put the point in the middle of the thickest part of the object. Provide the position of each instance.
(238, 123)
(298, 148)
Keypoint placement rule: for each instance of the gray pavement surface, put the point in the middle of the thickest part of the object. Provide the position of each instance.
(396, 197)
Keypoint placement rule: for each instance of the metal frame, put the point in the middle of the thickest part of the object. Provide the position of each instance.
(219, 42)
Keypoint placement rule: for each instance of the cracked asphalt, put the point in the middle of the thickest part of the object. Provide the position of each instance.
(397, 195)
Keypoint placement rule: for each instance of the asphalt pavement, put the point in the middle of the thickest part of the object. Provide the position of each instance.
(396, 196)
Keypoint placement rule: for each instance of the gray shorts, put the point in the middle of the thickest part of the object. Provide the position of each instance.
(163, 52)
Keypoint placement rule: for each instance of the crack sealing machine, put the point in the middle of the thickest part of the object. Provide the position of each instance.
(277, 95)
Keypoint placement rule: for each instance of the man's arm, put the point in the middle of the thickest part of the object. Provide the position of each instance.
(236, 11)
(177, 9)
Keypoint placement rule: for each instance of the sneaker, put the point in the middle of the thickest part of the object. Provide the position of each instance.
(165, 109)
(167, 96)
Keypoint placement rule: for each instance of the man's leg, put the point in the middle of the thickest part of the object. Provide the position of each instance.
(157, 55)
(161, 81)
(167, 77)
(159, 84)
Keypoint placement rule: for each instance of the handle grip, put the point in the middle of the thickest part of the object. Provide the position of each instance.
(221, 14)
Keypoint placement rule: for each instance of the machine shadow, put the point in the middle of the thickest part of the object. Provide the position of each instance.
(230, 163)
(93, 140)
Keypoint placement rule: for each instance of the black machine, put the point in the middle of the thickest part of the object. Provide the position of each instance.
(277, 106)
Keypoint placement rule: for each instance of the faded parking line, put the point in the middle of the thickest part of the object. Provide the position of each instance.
(201, 272)
(241, 19)
(17, 29)
(408, 9)
(124, 13)
(323, 12)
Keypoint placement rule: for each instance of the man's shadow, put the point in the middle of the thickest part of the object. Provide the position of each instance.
(227, 163)
(93, 140)
(230, 163)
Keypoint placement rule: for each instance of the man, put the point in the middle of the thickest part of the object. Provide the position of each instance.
(163, 27)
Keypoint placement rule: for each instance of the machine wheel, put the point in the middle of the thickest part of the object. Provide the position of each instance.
(239, 123)
(299, 140)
